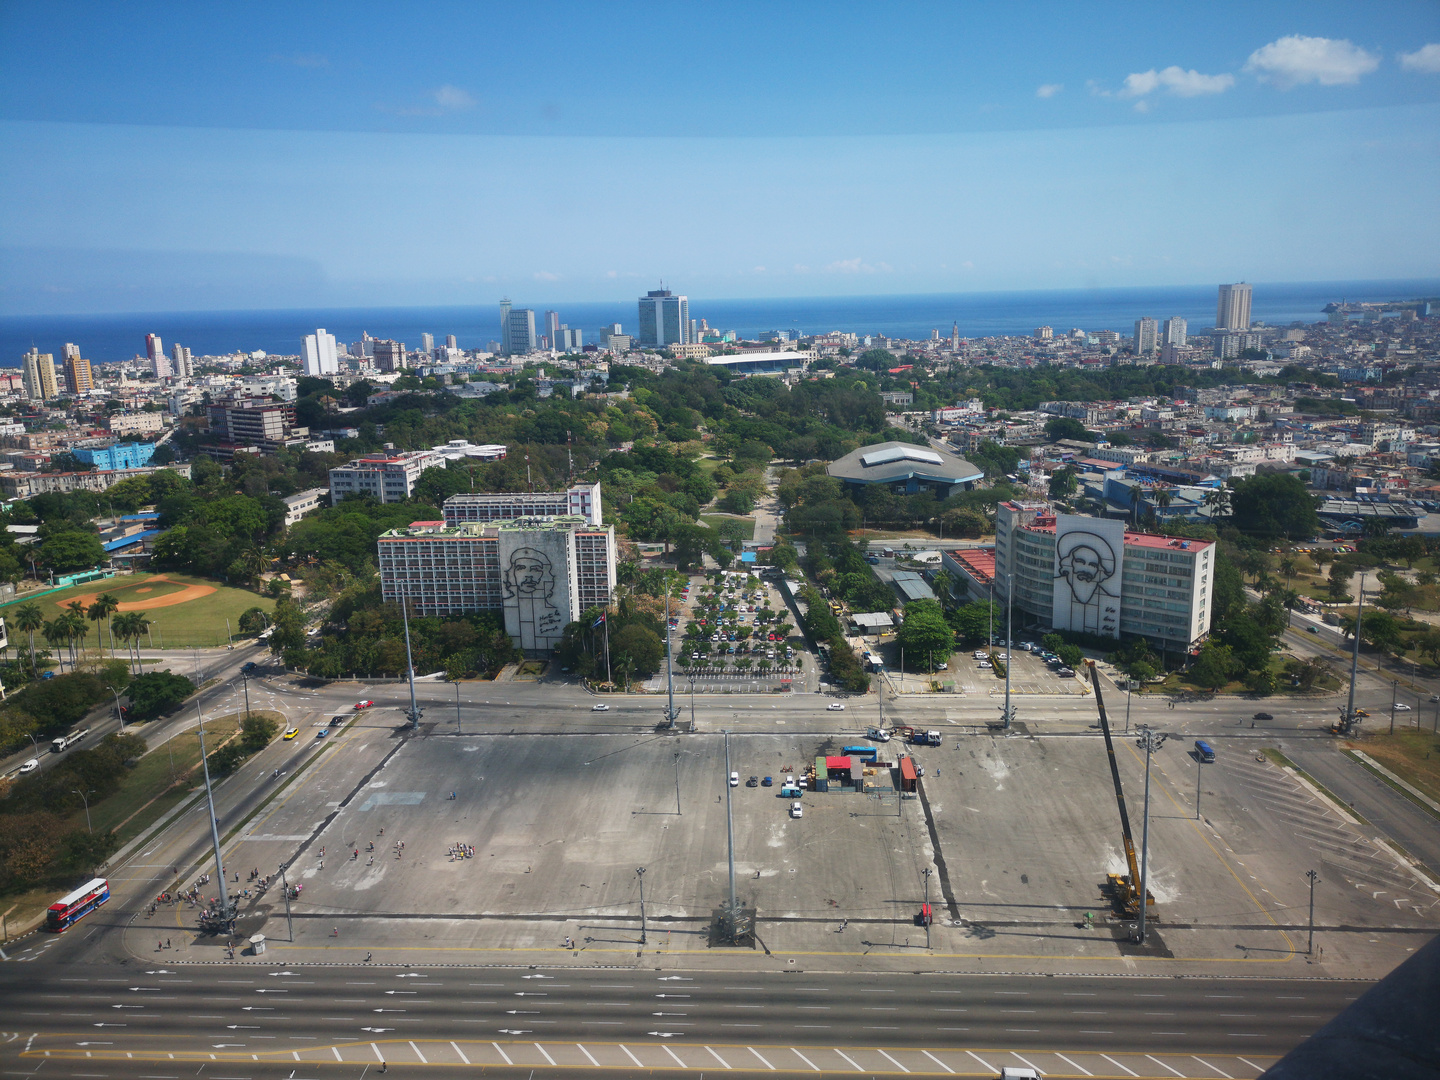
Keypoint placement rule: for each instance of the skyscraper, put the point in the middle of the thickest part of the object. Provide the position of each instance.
(1233, 310)
(1174, 334)
(427, 343)
(153, 347)
(317, 354)
(78, 377)
(389, 355)
(519, 331)
(450, 341)
(664, 318)
(69, 349)
(552, 328)
(1145, 336)
(505, 325)
(39, 375)
(180, 360)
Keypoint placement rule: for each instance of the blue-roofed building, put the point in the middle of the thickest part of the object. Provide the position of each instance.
(119, 456)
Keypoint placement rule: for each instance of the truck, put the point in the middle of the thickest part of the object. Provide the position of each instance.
(64, 742)
(878, 734)
(860, 751)
(926, 738)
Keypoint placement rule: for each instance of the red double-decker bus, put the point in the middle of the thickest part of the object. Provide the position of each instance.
(69, 909)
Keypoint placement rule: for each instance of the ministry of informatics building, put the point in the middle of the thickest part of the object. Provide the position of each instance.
(541, 558)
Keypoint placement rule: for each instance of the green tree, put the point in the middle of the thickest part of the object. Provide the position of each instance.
(641, 645)
(1273, 505)
(1067, 427)
(924, 634)
(29, 618)
(72, 550)
(156, 693)
(1213, 667)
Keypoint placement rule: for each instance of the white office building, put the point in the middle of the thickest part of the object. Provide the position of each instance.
(1232, 312)
(1094, 575)
(388, 476)
(317, 354)
(1145, 336)
(582, 500)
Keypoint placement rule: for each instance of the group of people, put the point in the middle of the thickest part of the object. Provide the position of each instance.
(462, 851)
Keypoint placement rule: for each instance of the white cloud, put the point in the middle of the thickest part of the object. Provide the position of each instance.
(857, 265)
(1292, 61)
(1425, 59)
(453, 99)
(1175, 80)
(546, 275)
(1049, 89)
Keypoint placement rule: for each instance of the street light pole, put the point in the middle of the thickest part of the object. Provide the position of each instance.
(1394, 690)
(1348, 720)
(245, 681)
(640, 873)
(1199, 766)
(1150, 740)
(1314, 877)
(927, 906)
(1007, 714)
(677, 784)
(457, 707)
(1129, 693)
(86, 801)
(285, 888)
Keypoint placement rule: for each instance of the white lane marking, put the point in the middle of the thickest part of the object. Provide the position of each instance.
(457, 1050)
(803, 1058)
(542, 1050)
(1117, 1064)
(937, 1061)
(419, 1054)
(502, 1053)
(1222, 1072)
(587, 1054)
(336, 1051)
(718, 1058)
(1257, 1068)
(1028, 1065)
(762, 1060)
(847, 1058)
(1072, 1064)
(672, 1054)
(1157, 1061)
(982, 1061)
(630, 1055)
(892, 1061)
(378, 1056)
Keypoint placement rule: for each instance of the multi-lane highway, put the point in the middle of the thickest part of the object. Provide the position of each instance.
(154, 1020)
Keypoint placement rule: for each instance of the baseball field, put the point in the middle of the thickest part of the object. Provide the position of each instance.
(184, 611)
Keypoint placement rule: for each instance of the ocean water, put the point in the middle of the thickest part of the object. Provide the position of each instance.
(120, 337)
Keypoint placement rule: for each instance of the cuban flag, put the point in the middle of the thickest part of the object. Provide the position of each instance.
(597, 622)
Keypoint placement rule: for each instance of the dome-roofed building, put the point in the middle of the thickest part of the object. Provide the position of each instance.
(906, 469)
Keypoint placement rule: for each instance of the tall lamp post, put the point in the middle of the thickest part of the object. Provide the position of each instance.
(1150, 740)
(1007, 713)
(1314, 879)
(83, 798)
(245, 681)
(640, 873)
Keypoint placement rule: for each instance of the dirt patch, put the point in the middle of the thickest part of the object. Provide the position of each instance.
(184, 595)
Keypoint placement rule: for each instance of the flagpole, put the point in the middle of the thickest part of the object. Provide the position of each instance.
(608, 677)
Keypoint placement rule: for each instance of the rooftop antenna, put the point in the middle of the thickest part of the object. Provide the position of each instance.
(529, 484)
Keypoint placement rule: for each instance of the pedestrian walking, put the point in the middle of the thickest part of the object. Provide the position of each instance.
(335, 932)
(384, 1067)
(167, 943)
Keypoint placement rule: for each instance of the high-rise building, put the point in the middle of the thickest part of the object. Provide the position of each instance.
(389, 355)
(317, 354)
(388, 476)
(1174, 334)
(427, 343)
(182, 364)
(1044, 333)
(504, 324)
(1233, 310)
(450, 342)
(552, 328)
(1145, 336)
(153, 347)
(520, 332)
(78, 377)
(69, 349)
(39, 375)
(664, 319)
(543, 573)
(582, 500)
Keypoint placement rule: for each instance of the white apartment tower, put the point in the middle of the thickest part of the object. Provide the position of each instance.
(1174, 333)
(318, 355)
(1232, 312)
(39, 375)
(159, 362)
(1145, 336)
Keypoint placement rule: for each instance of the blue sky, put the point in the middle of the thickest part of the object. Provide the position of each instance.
(165, 156)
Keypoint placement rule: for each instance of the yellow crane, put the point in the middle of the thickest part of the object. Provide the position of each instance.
(1123, 889)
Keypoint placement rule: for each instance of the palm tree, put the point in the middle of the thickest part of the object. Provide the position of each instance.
(139, 627)
(108, 604)
(123, 625)
(28, 618)
(79, 628)
(56, 632)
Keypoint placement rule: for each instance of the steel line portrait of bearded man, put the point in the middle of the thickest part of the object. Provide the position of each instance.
(1087, 563)
(530, 579)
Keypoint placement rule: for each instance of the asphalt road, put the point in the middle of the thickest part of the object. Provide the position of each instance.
(129, 1018)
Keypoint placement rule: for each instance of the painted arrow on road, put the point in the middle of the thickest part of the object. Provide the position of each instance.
(521, 1012)
(221, 1046)
(515, 1031)
(273, 974)
(112, 1025)
(665, 1034)
(256, 1008)
(674, 978)
(127, 1006)
(162, 971)
(537, 976)
(672, 995)
(243, 1027)
(375, 1030)
(388, 1010)
(95, 1044)
(669, 1014)
(412, 975)
(147, 989)
(402, 991)
(272, 991)
(530, 993)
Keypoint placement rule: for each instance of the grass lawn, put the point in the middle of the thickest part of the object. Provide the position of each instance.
(198, 621)
(716, 520)
(1413, 754)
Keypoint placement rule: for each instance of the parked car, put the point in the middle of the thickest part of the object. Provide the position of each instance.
(769, 781)
(754, 781)
(734, 779)
(796, 810)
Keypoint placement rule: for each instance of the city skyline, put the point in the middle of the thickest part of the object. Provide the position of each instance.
(1078, 150)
